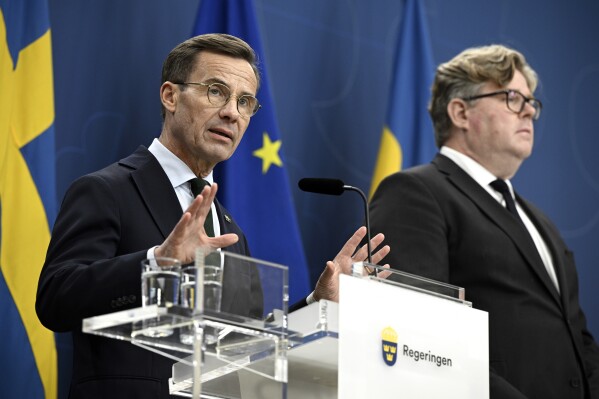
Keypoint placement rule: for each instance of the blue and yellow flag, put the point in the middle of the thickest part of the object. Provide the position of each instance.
(407, 138)
(28, 362)
(253, 183)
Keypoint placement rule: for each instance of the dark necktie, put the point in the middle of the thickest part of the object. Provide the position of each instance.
(197, 185)
(501, 186)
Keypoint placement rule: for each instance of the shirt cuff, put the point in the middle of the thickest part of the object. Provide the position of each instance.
(310, 299)
(150, 254)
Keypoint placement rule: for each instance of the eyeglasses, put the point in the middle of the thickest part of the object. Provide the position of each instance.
(514, 100)
(219, 94)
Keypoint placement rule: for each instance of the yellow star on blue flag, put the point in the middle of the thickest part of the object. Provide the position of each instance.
(269, 153)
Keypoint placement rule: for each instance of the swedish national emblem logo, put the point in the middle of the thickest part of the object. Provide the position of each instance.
(389, 341)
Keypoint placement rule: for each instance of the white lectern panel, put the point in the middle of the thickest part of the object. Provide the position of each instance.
(395, 342)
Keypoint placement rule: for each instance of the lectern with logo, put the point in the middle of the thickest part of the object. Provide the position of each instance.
(403, 336)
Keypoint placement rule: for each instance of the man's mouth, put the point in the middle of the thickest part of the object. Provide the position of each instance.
(222, 132)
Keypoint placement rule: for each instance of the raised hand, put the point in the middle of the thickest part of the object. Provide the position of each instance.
(189, 233)
(327, 286)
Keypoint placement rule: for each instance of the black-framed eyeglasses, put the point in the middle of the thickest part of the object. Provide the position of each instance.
(219, 94)
(514, 100)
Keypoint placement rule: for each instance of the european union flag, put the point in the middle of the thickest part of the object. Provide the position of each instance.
(253, 183)
(407, 138)
(28, 362)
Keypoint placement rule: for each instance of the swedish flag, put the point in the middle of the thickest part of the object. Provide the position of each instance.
(407, 138)
(27, 196)
(253, 183)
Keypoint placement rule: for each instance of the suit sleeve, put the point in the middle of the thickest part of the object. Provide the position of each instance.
(82, 275)
(591, 358)
(585, 341)
(589, 348)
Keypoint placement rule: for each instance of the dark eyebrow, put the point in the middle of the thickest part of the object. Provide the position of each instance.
(215, 80)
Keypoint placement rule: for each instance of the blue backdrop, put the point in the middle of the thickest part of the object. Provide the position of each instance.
(330, 65)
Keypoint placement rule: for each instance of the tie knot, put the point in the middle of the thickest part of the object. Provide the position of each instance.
(501, 186)
(197, 185)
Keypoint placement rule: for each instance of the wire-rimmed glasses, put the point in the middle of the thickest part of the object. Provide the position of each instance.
(219, 94)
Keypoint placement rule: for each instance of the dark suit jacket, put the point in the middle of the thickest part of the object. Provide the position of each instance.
(107, 222)
(441, 224)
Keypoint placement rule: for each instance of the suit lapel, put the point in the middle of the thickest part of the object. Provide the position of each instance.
(227, 225)
(498, 215)
(553, 246)
(155, 189)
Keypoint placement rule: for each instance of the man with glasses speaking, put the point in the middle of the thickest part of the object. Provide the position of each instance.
(459, 220)
(154, 203)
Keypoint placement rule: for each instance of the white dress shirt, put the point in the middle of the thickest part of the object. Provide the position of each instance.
(179, 175)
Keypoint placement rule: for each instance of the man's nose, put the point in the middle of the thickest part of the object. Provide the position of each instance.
(528, 109)
(229, 110)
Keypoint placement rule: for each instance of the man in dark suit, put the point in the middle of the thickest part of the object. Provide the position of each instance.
(450, 221)
(142, 207)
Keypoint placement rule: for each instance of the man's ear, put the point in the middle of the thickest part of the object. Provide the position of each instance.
(168, 96)
(457, 111)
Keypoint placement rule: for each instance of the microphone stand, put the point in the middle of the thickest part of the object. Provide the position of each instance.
(336, 187)
(365, 201)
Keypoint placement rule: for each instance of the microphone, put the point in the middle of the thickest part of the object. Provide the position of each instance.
(321, 186)
(336, 187)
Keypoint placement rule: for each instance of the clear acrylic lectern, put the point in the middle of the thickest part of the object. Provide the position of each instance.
(215, 346)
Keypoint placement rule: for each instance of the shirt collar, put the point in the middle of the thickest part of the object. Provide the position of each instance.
(475, 170)
(176, 170)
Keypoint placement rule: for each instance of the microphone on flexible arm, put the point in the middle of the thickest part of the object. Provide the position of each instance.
(336, 187)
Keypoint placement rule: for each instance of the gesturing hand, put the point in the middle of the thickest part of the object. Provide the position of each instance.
(327, 286)
(189, 233)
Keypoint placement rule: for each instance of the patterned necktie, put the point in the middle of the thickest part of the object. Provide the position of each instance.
(197, 185)
(501, 186)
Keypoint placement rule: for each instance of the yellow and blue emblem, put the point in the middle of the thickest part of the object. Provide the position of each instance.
(389, 343)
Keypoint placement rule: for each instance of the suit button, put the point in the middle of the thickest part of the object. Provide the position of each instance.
(132, 299)
(113, 304)
(575, 382)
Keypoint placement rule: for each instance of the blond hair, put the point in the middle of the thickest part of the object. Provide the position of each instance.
(464, 75)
